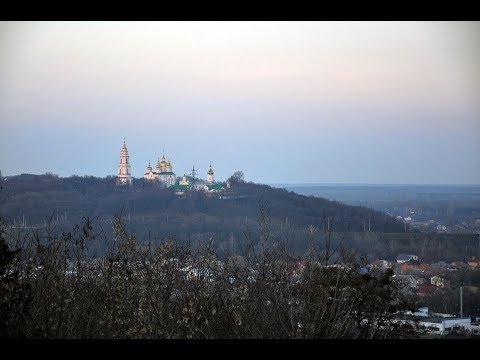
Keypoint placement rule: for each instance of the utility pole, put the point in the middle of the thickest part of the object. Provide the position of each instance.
(194, 180)
(479, 242)
(461, 301)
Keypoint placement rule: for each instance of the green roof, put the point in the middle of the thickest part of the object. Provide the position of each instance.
(215, 187)
(179, 187)
(165, 173)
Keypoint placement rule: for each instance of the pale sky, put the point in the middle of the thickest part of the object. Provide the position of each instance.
(285, 102)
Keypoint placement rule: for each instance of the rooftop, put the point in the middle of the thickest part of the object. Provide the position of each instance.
(404, 256)
(178, 186)
(438, 320)
(214, 186)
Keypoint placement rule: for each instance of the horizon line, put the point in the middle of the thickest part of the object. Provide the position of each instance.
(287, 183)
(374, 184)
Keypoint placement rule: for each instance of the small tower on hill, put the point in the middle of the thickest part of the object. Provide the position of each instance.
(124, 176)
(210, 175)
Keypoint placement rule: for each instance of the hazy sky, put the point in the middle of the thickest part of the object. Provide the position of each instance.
(286, 102)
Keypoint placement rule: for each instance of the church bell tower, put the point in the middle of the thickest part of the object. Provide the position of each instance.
(210, 175)
(124, 176)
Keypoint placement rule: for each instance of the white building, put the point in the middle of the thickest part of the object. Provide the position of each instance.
(440, 324)
(210, 175)
(209, 186)
(184, 181)
(163, 173)
(124, 176)
(443, 326)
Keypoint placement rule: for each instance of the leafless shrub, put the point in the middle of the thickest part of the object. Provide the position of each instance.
(170, 291)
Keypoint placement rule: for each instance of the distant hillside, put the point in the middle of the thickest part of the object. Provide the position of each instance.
(155, 213)
(446, 204)
(38, 196)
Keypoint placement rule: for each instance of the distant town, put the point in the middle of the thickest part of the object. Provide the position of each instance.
(423, 280)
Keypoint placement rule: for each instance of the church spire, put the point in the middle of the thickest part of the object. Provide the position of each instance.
(210, 174)
(124, 176)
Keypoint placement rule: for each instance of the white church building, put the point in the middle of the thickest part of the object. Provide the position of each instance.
(124, 176)
(164, 174)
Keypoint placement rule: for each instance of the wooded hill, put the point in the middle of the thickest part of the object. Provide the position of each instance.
(155, 213)
(37, 197)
